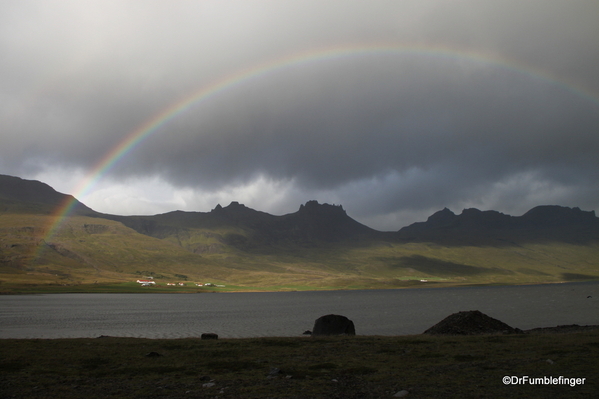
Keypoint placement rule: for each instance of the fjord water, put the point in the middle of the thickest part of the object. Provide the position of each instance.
(238, 315)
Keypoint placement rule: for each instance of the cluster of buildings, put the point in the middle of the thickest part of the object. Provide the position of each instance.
(148, 282)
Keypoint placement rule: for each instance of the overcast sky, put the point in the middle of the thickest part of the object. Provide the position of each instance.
(433, 104)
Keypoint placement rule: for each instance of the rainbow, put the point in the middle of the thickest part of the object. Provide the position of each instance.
(206, 93)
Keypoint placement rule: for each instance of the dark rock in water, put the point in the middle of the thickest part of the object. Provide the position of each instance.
(307, 332)
(471, 323)
(333, 324)
(209, 336)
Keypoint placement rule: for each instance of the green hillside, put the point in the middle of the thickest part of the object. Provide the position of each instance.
(317, 247)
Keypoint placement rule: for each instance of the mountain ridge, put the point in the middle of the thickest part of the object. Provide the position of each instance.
(546, 222)
(317, 246)
(15, 190)
(325, 222)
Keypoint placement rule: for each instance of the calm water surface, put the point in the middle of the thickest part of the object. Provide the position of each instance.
(237, 315)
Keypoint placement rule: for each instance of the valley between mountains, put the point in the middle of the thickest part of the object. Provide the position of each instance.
(317, 247)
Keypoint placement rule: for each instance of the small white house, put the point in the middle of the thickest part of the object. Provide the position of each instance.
(146, 282)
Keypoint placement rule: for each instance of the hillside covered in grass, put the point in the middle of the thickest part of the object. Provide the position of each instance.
(317, 247)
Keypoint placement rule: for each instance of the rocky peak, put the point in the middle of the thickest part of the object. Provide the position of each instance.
(556, 215)
(475, 227)
(443, 216)
(233, 207)
(313, 207)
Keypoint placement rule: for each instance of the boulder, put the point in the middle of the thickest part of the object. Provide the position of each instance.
(209, 336)
(470, 323)
(333, 324)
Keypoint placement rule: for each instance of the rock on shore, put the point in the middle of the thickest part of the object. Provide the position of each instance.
(471, 322)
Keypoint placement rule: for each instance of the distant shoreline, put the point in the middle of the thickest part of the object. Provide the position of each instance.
(108, 288)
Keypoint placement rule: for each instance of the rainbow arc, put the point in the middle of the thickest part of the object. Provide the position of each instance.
(261, 71)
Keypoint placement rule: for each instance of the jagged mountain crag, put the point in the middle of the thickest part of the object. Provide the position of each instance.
(545, 223)
(313, 225)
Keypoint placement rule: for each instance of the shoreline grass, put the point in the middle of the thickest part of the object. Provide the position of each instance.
(135, 288)
(300, 367)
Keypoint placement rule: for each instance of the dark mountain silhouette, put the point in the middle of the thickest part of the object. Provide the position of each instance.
(542, 223)
(312, 225)
(20, 195)
(324, 222)
(317, 224)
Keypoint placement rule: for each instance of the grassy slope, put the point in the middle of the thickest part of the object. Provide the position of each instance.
(93, 250)
(86, 250)
(328, 367)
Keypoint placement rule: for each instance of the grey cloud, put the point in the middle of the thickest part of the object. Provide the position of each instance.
(336, 135)
(393, 131)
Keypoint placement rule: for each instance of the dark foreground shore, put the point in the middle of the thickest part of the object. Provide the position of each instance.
(417, 366)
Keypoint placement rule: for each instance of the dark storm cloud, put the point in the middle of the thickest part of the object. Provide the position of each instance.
(345, 125)
(383, 132)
